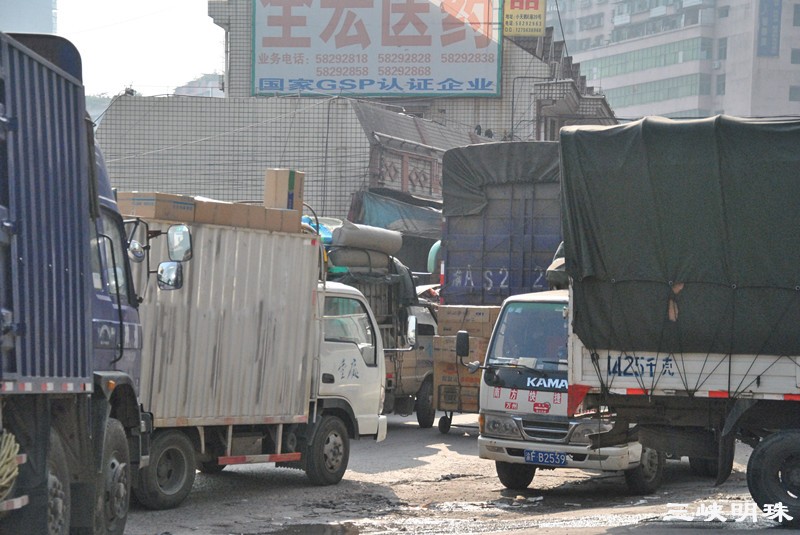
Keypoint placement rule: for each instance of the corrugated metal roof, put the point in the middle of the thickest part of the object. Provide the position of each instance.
(378, 120)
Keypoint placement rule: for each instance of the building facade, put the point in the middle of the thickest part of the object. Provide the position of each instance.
(686, 58)
(221, 147)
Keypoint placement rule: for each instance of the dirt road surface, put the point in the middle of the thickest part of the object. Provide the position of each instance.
(423, 481)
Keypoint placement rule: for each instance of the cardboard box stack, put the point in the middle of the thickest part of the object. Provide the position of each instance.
(283, 190)
(454, 388)
(282, 209)
(154, 205)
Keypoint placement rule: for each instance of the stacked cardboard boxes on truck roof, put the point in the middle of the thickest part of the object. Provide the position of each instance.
(281, 211)
(454, 388)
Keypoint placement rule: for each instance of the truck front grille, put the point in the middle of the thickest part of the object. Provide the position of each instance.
(546, 430)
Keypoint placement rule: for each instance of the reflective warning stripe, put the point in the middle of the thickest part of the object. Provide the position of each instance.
(47, 386)
(269, 458)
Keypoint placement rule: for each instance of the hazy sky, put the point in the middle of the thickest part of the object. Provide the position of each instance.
(152, 46)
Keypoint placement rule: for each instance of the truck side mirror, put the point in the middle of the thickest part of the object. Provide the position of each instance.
(136, 252)
(179, 243)
(411, 332)
(462, 350)
(170, 275)
(462, 344)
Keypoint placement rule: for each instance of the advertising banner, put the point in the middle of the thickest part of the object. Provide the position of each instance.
(377, 47)
(769, 28)
(524, 18)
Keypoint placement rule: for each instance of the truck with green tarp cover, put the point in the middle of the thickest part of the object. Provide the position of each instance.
(502, 220)
(682, 245)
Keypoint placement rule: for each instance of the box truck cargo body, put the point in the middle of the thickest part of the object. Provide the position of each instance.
(255, 361)
(71, 433)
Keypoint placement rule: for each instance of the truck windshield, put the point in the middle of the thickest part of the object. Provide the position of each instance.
(533, 335)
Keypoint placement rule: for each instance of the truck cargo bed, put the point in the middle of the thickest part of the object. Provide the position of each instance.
(236, 344)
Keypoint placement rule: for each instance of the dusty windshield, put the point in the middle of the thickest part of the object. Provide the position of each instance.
(532, 335)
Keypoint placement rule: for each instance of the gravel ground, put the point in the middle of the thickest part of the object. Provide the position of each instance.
(422, 481)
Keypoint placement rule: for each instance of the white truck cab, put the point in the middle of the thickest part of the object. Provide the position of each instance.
(351, 362)
(524, 402)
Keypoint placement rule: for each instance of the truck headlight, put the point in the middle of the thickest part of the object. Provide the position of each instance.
(500, 426)
(580, 435)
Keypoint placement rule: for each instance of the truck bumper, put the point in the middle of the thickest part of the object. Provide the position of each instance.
(383, 425)
(580, 456)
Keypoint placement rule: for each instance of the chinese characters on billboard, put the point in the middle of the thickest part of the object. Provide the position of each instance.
(524, 17)
(377, 47)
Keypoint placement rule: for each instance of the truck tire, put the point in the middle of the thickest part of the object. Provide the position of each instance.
(703, 467)
(58, 488)
(328, 455)
(514, 476)
(169, 477)
(444, 424)
(426, 413)
(647, 477)
(773, 473)
(112, 499)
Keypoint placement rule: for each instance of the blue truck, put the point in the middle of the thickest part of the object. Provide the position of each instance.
(72, 435)
(502, 220)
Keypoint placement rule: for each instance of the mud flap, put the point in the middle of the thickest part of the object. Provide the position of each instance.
(727, 448)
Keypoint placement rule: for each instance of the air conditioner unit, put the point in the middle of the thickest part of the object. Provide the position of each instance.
(715, 65)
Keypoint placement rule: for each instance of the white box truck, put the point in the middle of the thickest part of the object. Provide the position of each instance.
(255, 360)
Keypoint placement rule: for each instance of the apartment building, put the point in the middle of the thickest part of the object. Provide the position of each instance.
(686, 58)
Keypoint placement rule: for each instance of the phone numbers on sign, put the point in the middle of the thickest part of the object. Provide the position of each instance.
(343, 71)
(404, 58)
(476, 57)
(404, 70)
(342, 58)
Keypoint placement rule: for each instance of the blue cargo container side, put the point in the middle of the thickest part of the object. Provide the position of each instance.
(48, 210)
(502, 221)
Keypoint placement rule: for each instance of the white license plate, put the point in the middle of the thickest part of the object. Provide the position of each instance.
(547, 458)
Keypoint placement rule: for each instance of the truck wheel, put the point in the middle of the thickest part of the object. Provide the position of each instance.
(210, 467)
(773, 472)
(444, 424)
(328, 455)
(169, 477)
(514, 476)
(425, 411)
(58, 489)
(647, 477)
(112, 498)
(703, 467)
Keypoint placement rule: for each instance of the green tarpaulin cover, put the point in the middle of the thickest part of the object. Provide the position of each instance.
(684, 236)
(466, 171)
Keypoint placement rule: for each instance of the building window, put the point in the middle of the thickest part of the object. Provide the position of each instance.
(797, 14)
(796, 56)
(722, 48)
(723, 11)
(590, 22)
(794, 93)
(720, 84)
(659, 91)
